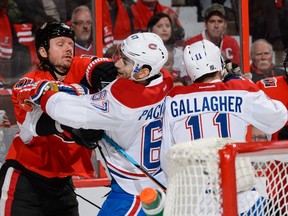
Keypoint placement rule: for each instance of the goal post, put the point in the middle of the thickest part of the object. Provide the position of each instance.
(218, 176)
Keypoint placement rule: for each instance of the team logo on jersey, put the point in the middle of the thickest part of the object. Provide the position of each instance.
(23, 82)
(269, 82)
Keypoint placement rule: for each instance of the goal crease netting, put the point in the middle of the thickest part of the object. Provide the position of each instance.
(218, 176)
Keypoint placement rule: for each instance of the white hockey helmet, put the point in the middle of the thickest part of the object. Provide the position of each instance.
(145, 48)
(202, 57)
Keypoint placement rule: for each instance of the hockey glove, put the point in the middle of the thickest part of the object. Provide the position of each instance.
(29, 96)
(73, 89)
(100, 72)
(232, 71)
(85, 137)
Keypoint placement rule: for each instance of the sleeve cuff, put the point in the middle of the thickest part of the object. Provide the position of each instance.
(45, 98)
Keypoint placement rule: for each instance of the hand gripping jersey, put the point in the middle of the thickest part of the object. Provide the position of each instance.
(219, 109)
(54, 155)
(131, 114)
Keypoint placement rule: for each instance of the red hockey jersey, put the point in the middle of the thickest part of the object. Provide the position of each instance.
(53, 155)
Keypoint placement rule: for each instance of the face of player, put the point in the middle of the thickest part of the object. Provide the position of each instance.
(60, 53)
(262, 56)
(82, 27)
(124, 66)
(163, 29)
(215, 27)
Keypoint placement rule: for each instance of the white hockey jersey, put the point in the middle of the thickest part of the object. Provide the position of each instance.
(218, 109)
(131, 114)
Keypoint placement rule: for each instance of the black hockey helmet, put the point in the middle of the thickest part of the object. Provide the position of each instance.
(51, 30)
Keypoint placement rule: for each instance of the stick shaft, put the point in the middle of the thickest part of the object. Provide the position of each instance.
(135, 163)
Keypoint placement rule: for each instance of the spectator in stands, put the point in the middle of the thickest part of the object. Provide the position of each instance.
(81, 23)
(122, 18)
(264, 22)
(143, 10)
(4, 89)
(215, 26)
(108, 38)
(161, 24)
(17, 51)
(262, 56)
(4, 123)
(6, 41)
(37, 11)
(258, 135)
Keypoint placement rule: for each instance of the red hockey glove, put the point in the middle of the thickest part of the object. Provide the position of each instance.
(99, 73)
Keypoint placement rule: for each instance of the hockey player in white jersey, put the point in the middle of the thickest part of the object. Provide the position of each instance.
(212, 108)
(130, 110)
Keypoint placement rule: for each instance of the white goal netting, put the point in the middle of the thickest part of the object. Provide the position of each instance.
(199, 178)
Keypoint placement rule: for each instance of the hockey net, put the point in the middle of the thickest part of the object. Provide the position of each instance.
(221, 177)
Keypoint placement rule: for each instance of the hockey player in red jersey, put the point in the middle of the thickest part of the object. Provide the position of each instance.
(130, 110)
(36, 178)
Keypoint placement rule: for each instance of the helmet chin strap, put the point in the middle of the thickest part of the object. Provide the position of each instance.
(60, 73)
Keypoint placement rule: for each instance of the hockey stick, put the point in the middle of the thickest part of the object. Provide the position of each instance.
(135, 163)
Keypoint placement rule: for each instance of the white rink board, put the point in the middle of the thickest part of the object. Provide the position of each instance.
(93, 194)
